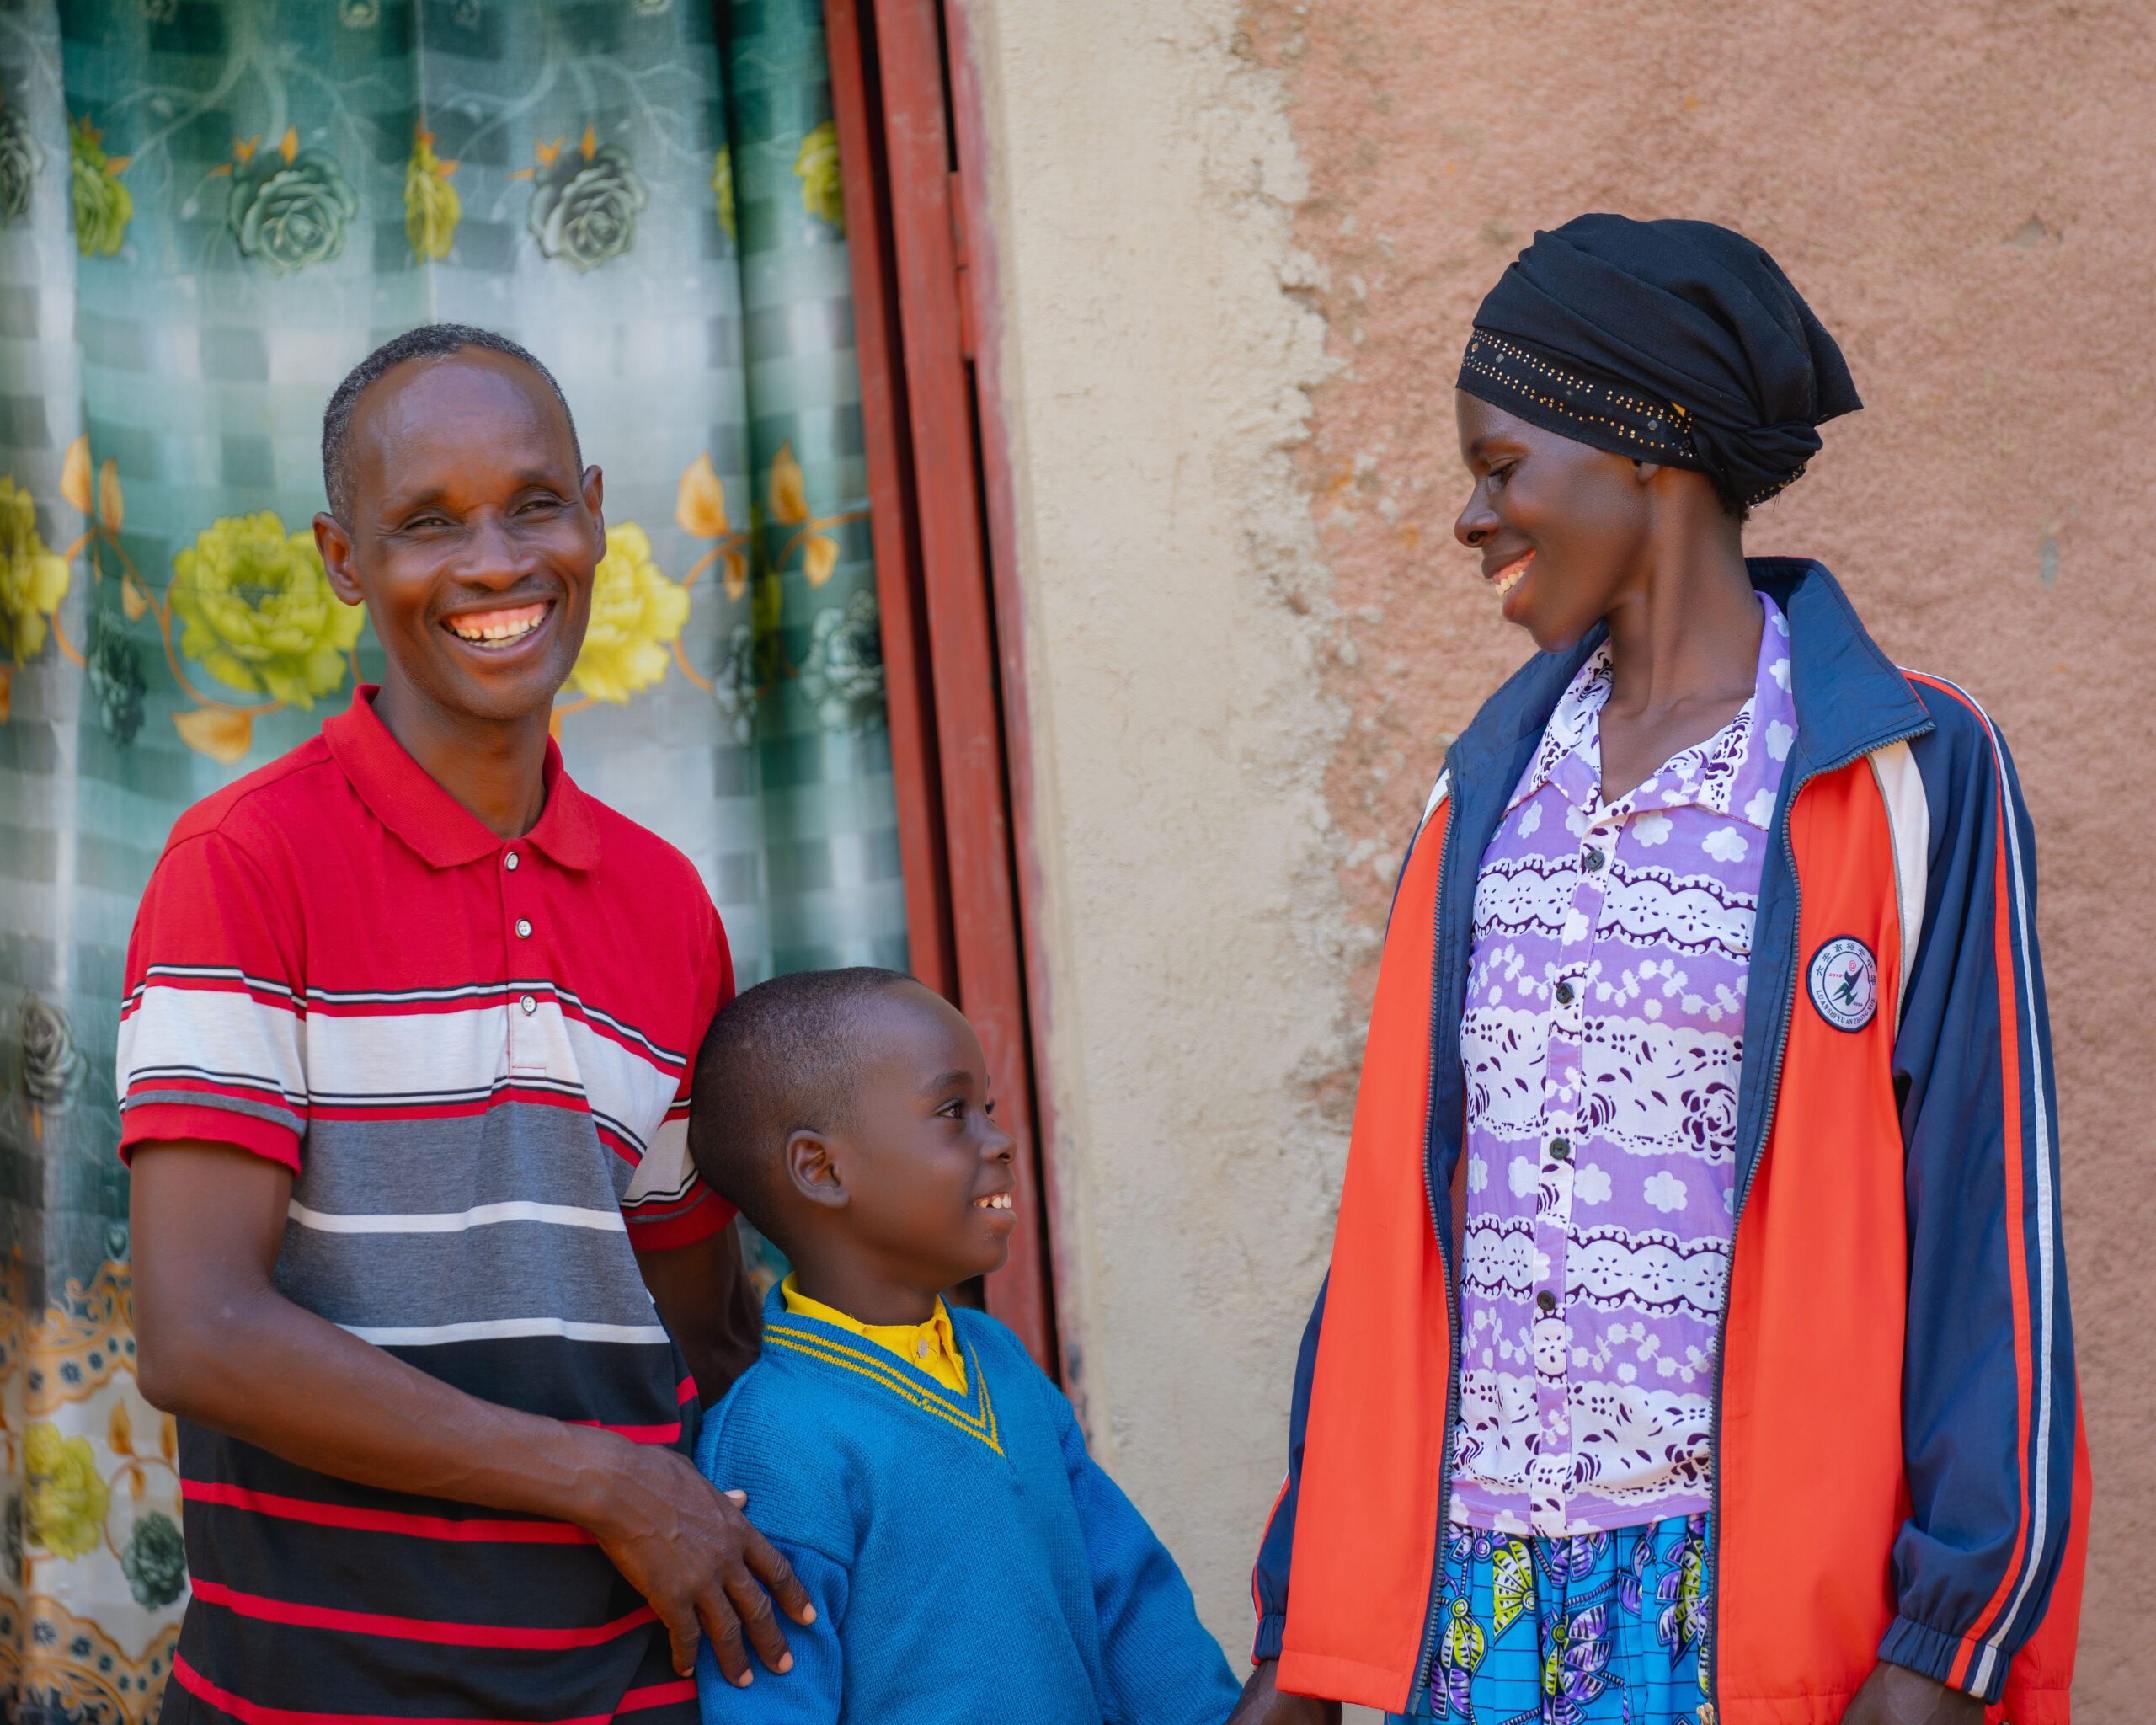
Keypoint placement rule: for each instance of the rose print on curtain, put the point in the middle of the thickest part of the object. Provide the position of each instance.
(208, 211)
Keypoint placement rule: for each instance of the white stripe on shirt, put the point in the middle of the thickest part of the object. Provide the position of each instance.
(504, 1329)
(565, 1215)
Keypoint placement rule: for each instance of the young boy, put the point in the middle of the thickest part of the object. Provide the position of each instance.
(969, 1562)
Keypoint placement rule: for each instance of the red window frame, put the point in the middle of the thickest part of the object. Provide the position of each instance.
(906, 102)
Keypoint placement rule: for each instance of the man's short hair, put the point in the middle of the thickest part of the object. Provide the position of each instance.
(781, 1058)
(430, 341)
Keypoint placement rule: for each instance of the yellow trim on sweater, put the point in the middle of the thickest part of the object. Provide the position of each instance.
(870, 1365)
(929, 1346)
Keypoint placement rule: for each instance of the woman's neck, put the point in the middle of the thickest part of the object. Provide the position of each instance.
(1686, 634)
(1684, 654)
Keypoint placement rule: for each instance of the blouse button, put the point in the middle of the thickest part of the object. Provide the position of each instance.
(1594, 860)
(1559, 1149)
(1564, 994)
(530, 1005)
(1546, 1300)
(509, 861)
(524, 928)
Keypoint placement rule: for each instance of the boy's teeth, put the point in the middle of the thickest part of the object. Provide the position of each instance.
(1000, 1200)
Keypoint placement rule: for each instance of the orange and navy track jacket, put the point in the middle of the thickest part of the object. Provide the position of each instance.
(1898, 1469)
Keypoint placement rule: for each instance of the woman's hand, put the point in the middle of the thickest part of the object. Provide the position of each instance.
(1264, 1704)
(1894, 1695)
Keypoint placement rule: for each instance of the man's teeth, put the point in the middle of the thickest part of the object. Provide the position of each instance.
(497, 626)
(999, 1200)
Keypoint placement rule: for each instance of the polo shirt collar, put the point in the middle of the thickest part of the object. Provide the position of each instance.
(405, 798)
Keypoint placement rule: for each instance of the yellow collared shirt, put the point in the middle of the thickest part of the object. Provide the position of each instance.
(928, 1347)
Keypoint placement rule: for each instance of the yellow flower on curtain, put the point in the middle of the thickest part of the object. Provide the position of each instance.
(432, 208)
(722, 186)
(260, 612)
(636, 614)
(68, 1500)
(816, 165)
(33, 580)
(103, 205)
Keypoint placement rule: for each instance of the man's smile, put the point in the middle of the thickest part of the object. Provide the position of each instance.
(502, 627)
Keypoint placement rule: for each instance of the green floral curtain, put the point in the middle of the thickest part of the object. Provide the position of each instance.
(209, 212)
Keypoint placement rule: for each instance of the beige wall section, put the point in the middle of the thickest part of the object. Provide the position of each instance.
(1248, 633)
(1155, 363)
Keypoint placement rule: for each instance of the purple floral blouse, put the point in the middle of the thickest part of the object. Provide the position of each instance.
(1601, 1041)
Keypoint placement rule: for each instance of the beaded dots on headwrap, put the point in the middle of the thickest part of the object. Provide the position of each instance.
(1653, 431)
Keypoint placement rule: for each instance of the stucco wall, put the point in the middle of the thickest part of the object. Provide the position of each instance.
(1248, 645)
(1967, 195)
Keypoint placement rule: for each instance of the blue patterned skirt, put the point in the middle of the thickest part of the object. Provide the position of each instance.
(1603, 1629)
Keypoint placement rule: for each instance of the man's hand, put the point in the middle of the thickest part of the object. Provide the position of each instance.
(686, 1547)
(1264, 1704)
(1894, 1695)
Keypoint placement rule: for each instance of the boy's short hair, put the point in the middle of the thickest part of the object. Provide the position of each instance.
(779, 1058)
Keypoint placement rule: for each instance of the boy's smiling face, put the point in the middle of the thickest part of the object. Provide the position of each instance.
(911, 1192)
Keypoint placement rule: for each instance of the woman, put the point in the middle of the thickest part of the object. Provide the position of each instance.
(1710, 1043)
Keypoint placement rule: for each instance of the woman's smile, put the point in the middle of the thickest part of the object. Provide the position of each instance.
(1510, 576)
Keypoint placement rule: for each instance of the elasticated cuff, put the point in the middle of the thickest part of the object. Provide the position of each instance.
(1952, 1659)
(1271, 1629)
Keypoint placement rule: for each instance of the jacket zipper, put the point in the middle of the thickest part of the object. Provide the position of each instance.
(1713, 1648)
(1430, 1616)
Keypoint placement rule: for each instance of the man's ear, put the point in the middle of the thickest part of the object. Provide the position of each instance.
(812, 1170)
(594, 488)
(335, 545)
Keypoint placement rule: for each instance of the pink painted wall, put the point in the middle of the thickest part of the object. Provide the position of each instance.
(1967, 195)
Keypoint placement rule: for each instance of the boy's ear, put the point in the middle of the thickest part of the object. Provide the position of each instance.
(812, 1170)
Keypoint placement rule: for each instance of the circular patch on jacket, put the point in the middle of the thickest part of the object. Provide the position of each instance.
(1844, 983)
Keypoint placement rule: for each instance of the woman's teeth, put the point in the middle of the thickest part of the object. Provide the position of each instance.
(996, 1200)
(495, 628)
(1510, 576)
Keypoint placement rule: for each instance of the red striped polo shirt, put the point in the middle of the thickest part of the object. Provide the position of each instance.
(474, 1055)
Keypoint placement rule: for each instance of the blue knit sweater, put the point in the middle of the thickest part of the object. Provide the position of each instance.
(969, 1563)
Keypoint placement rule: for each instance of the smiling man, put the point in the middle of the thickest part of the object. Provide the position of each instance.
(420, 1261)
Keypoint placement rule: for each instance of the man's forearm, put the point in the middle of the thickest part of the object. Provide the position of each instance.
(279, 1377)
(219, 1344)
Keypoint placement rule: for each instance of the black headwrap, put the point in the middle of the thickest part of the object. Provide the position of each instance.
(1677, 342)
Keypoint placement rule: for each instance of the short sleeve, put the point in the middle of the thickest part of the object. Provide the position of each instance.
(213, 1029)
(668, 1205)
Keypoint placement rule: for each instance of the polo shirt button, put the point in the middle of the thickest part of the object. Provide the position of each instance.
(1546, 1300)
(1594, 860)
(921, 1347)
(529, 1005)
(510, 862)
(524, 928)
(1559, 1149)
(1564, 994)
